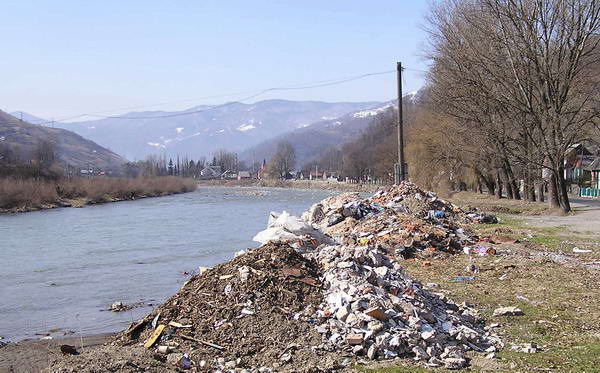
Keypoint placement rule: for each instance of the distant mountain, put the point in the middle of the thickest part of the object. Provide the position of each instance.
(72, 149)
(311, 141)
(202, 130)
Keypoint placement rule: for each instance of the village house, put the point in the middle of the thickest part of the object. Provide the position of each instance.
(210, 172)
(244, 175)
(577, 160)
(229, 175)
(594, 169)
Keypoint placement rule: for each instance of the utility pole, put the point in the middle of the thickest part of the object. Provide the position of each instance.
(400, 167)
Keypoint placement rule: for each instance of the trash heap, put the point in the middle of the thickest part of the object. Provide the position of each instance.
(253, 313)
(401, 220)
(373, 309)
(286, 228)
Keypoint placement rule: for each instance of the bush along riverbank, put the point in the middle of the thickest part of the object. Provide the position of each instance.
(22, 195)
(322, 293)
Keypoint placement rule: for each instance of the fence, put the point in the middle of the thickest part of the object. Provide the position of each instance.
(589, 192)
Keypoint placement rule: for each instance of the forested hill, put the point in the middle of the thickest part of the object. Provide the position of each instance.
(22, 139)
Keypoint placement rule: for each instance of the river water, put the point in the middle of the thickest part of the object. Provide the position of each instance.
(61, 268)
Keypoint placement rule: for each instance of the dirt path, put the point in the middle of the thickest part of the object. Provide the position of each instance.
(585, 220)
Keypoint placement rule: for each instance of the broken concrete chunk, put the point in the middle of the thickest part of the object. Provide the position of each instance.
(342, 313)
(354, 339)
(454, 363)
(377, 313)
(508, 311)
(372, 352)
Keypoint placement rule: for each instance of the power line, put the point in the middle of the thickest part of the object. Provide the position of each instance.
(324, 83)
(318, 84)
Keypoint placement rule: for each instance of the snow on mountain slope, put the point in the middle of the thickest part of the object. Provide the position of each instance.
(310, 141)
(235, 126)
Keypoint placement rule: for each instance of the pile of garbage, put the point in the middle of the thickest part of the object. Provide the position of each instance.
(286, 228)
(373, 309)
(253, 313)
(403, 220)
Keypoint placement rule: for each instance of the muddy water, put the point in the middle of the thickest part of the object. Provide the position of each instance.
(61, 268)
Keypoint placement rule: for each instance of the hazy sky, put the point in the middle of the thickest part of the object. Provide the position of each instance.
(68, 57)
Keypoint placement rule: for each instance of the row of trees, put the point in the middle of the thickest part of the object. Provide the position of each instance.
(513, 85)
(184, 167)
(371, 156)
(39, 163)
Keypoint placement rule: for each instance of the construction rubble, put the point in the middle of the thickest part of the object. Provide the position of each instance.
(321, 293)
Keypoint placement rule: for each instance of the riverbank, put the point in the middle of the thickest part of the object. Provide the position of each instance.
(35, 355)
(299, 184)
(18, 195)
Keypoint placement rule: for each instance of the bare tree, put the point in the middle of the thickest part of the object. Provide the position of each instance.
(519, 74)
(284, 160)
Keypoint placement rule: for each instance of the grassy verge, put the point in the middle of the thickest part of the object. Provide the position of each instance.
(29, 194)
(492, 204)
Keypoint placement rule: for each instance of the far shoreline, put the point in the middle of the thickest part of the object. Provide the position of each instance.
(298, 184)
(130, 193)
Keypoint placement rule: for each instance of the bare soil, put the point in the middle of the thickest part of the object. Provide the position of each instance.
(36, 355)
(253, 321)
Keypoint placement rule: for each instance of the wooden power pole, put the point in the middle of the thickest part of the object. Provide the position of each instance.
(400, 167)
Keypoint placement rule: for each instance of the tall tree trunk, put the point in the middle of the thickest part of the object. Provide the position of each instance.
(529, 187)
(498, 185)
(488, 181)
(509, 186)
(540, 190)
(563, 193)
(553, 192)
(512, 181)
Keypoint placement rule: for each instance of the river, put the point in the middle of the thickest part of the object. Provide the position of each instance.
(62, 268)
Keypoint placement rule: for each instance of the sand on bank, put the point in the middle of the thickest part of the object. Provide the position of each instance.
(36, 355)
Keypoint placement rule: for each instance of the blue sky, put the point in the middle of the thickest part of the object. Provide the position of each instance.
(67, 57)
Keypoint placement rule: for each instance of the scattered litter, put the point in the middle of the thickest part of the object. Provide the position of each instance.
(178, 325)
(581, 251)
(202, 342)
(508, 311)
(155, 335)
(120, 307)
(480, 250)
(528, 348)
(155, 320)
(464, 278)
(68, 350)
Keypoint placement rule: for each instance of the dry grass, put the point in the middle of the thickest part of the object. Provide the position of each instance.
(492, 204)
(30, 194)
(556, 291)
(17, 192)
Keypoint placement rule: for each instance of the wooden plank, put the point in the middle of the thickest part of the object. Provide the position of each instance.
(201, 342)
(155, 335)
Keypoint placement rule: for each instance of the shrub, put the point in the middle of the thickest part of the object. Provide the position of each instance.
(32, 193)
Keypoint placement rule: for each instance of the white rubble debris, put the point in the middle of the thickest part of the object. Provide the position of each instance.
(371, 302)
(371, 306)
(508, 311)
(284, 227)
